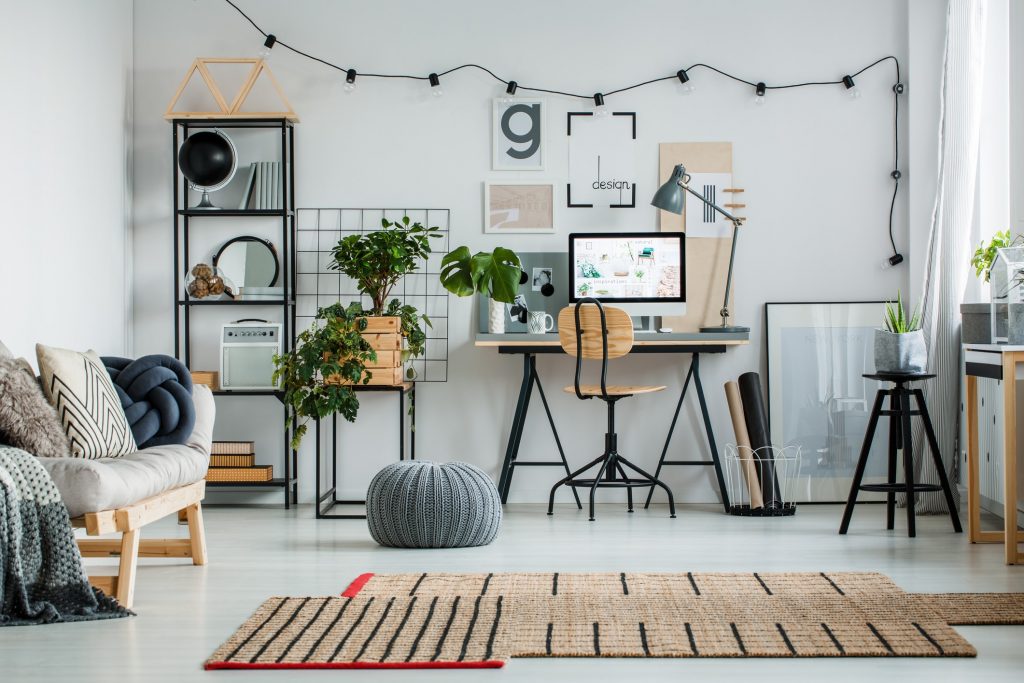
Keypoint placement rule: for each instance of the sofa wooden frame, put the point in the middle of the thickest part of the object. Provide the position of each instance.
(128, 521)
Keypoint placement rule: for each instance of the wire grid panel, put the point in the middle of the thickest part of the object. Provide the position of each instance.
(318, 231)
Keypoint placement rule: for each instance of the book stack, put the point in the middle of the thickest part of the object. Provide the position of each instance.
(235, 461)
(264, 187)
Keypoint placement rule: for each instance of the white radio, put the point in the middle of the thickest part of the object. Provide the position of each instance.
(247, 350)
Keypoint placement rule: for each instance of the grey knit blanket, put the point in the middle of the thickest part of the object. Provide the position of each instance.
(41, 576)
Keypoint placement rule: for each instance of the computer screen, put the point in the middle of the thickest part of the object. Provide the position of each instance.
(630, 268)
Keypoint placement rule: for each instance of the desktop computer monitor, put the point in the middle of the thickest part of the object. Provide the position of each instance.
(644, 273)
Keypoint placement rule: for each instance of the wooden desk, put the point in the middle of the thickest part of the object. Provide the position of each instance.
(529, 345)
(1002, 362)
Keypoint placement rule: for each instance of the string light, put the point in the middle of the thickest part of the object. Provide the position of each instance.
(268, 45)
(759, 91)
(350, 81)
(435, 85)
(851, 88)
(682, 76)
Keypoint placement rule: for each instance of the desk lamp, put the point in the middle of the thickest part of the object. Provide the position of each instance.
(671, 197)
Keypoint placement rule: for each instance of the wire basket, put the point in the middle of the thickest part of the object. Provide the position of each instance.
(760, 481)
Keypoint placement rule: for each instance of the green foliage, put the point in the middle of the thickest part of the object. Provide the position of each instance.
(378, 260)
(985, 254)
(415, 337)
(896, 319)
(495, 275)
(333, 348)
(588, 269)
(640, 274)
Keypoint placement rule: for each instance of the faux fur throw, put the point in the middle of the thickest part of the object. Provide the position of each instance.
(41, 576)
(27, 420)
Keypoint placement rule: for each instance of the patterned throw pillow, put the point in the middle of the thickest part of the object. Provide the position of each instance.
(79, 387)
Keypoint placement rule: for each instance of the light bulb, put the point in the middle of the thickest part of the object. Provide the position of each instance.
(689, 88)
(759, 90)
(349, 87)
(350, 81)
(268, 45)
(435, 85)
(891, 261)
(759, 100)
(437, 91)
(854, 93)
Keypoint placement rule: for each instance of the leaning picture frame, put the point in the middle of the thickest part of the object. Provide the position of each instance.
(519, 206)
(823, 350)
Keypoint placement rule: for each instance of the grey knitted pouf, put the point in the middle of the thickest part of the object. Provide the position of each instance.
(421, 504)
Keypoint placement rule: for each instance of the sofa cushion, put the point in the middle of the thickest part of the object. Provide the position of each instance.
(78, 386)
(27, 420)
(111, 483)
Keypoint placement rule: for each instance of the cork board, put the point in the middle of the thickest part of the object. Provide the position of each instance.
(707, 259)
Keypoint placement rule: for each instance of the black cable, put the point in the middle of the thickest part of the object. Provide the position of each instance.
(897, 90)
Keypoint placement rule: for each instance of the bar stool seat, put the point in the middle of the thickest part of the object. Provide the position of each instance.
(900, 412)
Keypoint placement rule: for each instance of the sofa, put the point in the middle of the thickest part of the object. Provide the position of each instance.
(122, 495)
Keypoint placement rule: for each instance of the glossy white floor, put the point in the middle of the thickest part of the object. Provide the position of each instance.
(185, 612)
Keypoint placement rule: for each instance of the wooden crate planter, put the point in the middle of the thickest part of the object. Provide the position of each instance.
(384, 335)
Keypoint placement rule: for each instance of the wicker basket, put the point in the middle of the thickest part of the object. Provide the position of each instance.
(217, 460)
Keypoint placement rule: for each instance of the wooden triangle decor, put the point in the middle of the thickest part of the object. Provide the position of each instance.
(233, 110)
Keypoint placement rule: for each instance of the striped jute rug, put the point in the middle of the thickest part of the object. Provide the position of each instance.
(481, 620)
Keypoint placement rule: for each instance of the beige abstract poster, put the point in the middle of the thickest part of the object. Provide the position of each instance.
(519, 207)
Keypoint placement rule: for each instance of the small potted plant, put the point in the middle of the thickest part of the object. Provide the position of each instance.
(496, 275)
(900, 347)
(976, 318)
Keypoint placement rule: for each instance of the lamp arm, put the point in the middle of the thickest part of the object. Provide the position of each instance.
(736, 222)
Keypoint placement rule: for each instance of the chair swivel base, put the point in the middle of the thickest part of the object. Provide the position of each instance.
(611, 474)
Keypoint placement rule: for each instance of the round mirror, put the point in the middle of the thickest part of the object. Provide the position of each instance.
(248, 262)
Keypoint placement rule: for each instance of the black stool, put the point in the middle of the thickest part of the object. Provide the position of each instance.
(899, 431)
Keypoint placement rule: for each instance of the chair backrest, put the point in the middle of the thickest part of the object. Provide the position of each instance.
(617, 322)
(582, 335)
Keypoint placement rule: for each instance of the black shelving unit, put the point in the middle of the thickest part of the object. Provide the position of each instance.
(183, 218)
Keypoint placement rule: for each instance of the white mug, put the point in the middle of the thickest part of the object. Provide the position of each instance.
(540, 322)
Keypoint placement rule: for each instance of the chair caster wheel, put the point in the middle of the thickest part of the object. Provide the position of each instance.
(629, 511)
(592, 519)
(671, 516)
(551, 514)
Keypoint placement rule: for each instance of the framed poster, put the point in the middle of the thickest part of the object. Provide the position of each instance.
(602, 160)
(519, 206)
(818, 398)
(517, 135)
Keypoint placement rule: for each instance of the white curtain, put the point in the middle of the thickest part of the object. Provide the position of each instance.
(948, 256)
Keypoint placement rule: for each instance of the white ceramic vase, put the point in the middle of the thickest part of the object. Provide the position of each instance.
(495, 317)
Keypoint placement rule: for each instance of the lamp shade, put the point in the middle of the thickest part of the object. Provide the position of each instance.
(669, 196)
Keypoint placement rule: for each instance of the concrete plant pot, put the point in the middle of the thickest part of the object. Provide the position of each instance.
(900, 353)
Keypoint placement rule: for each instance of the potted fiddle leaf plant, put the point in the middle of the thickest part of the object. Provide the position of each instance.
(496, 275)
(377, 261)
(900, 347)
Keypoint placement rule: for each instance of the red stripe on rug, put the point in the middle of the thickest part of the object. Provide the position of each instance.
(357, 585)
(488, 664)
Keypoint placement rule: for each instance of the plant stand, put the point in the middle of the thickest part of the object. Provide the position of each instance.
(327, 500)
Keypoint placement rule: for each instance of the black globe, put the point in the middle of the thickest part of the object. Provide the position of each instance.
(205, 158)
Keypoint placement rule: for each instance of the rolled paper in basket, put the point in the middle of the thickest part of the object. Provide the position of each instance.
(743, 450)
(756, 419)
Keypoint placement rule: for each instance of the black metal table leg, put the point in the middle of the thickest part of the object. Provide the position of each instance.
(940, 468)
(412, 426)
(908, 458)
(554, 432)
(862, 461)
(894, 440)
(709, 430)
(515, 434)
(401, 426)
(671, 431)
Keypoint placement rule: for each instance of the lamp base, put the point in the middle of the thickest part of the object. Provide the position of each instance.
(725, 329)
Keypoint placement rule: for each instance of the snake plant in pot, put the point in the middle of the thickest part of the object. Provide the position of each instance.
(899, 347)
(496, 275)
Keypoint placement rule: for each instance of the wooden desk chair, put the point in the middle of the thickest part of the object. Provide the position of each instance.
(592, 331)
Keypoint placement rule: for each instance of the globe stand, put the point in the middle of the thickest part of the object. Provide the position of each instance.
(205, 204)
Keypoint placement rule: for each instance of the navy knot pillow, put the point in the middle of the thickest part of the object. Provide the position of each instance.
(156, 394)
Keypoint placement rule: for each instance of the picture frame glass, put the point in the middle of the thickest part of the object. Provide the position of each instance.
(517, 134)
(818, 398)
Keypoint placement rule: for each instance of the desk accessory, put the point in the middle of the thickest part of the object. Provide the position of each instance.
(671, 197)
(540, 322)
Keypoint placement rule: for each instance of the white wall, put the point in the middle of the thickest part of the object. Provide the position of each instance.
(815, 165)
(65, 69)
